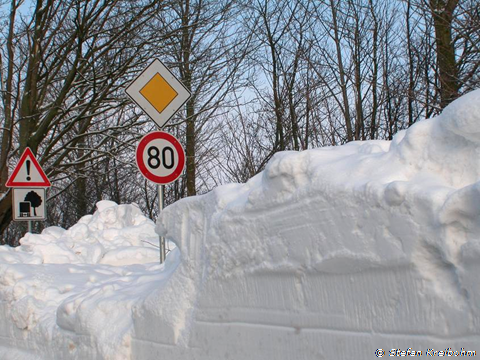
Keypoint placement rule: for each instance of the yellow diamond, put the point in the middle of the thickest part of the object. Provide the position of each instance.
(158, 92)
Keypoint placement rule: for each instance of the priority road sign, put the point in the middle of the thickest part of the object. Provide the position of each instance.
(160, 157)
(158, 92)
(28, 204)
(28, 173)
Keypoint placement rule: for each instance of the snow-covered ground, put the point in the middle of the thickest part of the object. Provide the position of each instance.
(68, 294)
(330, 253)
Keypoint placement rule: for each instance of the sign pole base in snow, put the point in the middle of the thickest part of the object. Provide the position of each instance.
(29, 226)
(160, 209)
(161, 159)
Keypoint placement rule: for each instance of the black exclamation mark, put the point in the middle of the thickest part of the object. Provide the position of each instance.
(28, 170)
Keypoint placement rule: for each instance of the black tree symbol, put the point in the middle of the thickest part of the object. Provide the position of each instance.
(34, 199)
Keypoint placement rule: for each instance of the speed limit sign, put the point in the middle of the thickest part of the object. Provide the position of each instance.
(160, 157)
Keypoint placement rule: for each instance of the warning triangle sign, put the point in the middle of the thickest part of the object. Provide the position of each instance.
(28, 173)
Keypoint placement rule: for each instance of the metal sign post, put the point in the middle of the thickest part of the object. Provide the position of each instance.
(161, 204)
(160, 157)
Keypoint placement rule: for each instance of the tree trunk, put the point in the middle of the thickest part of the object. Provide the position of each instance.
(7, 132)
(375, 61)
(6, 211)
(359, 120)
(187, 81)
(442, 13)
(411, 84)
(341, 70)
(190, 152)
(278, 106)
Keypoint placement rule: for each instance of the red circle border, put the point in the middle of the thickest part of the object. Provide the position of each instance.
(161, 180)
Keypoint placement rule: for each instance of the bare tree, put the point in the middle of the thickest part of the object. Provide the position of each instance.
(208, 52)
(62, 78)
(442, 12)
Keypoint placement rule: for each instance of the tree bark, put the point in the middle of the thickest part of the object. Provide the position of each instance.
(341, 70)
(7, 132)
(442, 13)
(6, 211)
(187, 81)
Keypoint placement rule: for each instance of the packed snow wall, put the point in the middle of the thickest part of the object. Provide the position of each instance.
(333, 253)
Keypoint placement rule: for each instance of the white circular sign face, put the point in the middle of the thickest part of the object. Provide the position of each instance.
(160, 157)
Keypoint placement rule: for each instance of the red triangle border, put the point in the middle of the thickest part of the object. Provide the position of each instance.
(23, 158)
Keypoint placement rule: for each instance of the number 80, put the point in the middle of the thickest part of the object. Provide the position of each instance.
(154, 157)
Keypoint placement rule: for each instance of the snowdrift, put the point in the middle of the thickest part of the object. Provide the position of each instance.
(330, 253)
(69, 294)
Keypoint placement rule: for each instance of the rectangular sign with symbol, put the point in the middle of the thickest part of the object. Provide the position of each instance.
(28, 204)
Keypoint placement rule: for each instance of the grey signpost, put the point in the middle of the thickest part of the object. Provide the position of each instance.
(161, 204)
(160, 94)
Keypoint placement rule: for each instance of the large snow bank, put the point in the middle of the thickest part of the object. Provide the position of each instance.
(330, 253)
(114, 235)
(69, 294)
